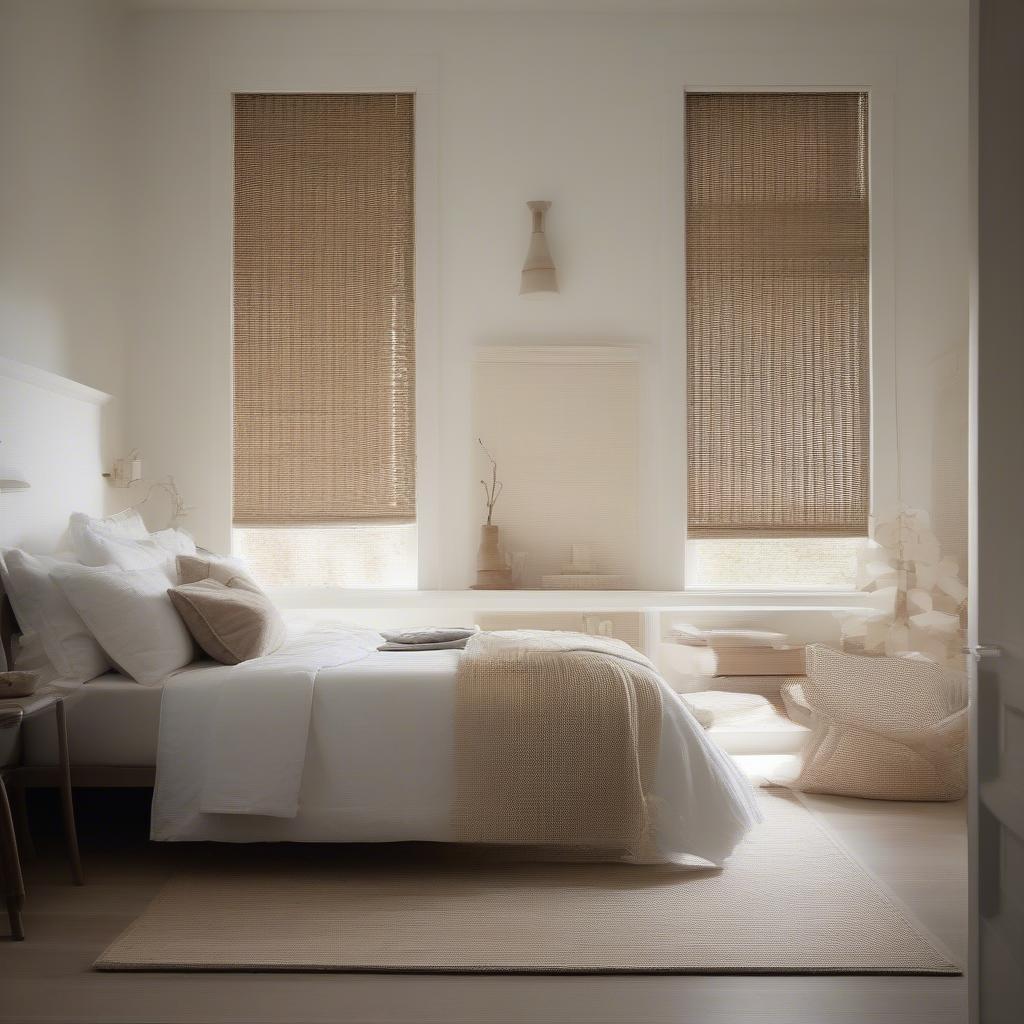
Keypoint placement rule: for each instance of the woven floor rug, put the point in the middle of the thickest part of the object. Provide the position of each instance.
(790, 901)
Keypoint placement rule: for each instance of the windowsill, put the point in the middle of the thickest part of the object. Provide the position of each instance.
(340, 597)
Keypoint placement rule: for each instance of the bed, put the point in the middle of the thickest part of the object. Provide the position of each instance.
(113, 722)
(325, 738)
(377, 741)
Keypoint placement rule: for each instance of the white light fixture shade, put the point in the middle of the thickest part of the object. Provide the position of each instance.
(126, 471)
(539, 268)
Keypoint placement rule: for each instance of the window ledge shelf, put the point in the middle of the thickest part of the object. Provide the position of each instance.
(295, 597)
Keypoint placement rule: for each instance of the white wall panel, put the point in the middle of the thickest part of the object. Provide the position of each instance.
(563, 425)
(51, 435)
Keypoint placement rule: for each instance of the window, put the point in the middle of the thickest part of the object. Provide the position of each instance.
(773, 563)
(778, 362)
(324, 346)
(348, 556)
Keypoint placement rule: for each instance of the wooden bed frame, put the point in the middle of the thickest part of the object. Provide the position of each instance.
(92, 776)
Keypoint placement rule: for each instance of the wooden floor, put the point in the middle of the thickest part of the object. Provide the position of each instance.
(918, 850)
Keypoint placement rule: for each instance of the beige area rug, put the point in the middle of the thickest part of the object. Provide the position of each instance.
(790, 901)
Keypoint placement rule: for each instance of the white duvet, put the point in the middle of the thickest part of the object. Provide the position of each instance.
(330, 740)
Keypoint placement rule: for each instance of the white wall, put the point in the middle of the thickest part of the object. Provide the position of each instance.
(51, 430)
(62, 190)
(585, 111)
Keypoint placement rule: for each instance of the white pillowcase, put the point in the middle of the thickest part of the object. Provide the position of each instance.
(117, 541)
(29, 655)
(40, 607)
(126, 523)
(177, 542)
(130, 614)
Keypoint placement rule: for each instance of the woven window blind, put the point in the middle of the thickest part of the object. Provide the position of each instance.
(324, 347)
(778, 387)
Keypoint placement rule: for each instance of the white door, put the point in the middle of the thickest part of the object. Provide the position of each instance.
(997, 572)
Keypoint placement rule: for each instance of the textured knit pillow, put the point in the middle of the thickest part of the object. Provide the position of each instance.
(232, 624)
(882, 728)
(229, 571)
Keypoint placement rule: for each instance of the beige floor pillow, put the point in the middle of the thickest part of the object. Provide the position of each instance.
(882, 728)
(794, 700)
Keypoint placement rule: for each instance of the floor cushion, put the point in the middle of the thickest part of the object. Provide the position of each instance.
(882, 728)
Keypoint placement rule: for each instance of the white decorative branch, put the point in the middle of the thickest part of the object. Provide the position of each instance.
(170, 488)
(916, 601)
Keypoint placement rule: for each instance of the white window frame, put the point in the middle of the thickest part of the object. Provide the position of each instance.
(781, 72)
(351, 73)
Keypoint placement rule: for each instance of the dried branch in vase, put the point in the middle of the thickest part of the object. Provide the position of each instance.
(493, 490)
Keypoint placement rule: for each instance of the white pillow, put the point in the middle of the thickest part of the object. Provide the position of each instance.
(29, 655)
(40, 607)
(685, 633)
(96, 543)
(177, 542)
(130, 614)
(126, 523)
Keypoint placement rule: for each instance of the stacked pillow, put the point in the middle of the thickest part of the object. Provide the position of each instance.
(123, 541)
(128, 612)
(105, 603)
(232, 572)
(113, 601)
(43, 610)
(226, 612)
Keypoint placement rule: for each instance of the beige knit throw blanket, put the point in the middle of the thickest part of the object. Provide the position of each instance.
(556, 743)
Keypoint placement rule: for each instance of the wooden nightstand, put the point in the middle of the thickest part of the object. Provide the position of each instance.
(12, 713)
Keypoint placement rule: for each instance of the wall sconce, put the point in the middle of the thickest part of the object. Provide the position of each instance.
(126, 471)
(539, 268)
(129, 471)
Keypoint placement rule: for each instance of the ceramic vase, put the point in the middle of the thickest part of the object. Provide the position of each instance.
(491, 571)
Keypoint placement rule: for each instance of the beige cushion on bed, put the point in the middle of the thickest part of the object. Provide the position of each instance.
(232, 573)
(231, 623)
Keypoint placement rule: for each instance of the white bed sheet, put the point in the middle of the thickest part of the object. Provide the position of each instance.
(379, 765)
(112, 720)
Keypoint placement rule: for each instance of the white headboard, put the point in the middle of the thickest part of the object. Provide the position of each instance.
(51, 434)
